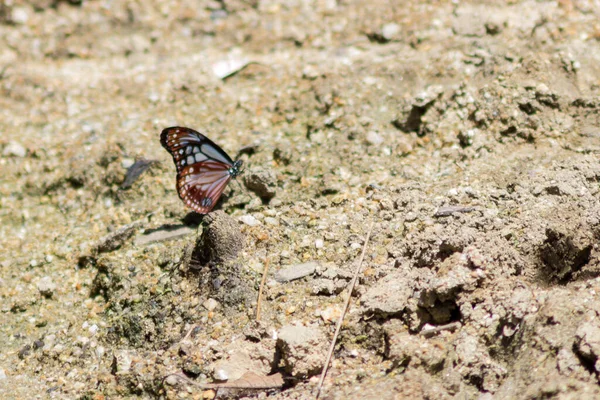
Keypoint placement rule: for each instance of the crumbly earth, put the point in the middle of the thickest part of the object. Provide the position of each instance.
(467, 132)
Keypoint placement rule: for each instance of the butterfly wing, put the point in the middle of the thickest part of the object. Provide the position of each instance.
(202, 167)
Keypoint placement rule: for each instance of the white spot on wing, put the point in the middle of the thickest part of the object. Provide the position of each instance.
(190, 159)
(213, 153)
(200, 157)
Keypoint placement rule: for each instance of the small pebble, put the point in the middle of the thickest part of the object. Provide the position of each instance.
(331, 314)
(127, 162)
(296, 272)
(249, 220)
(374, 138)
(154, 97)
(410, 217)
(20, 15)
(49, 258)
(221, 375)
(389, 31)
(310, 72)
(122, 361)
(46, 286)
(210, 304)
(271, 221)
(319, 243)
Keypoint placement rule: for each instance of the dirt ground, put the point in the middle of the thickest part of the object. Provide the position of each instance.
(467, 132)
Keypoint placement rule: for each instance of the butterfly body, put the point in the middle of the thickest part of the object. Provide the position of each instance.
(203, 168)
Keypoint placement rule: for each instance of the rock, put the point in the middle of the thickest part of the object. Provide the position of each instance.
(565, 251)
(445, 211)
(14, 149)
(249, 220)
(323, 286)
(303, 350)
(587, 343)
(374, 138)
(330, 314)
(475, 362)
(122, 362)
(20, 15)
(388, 296)
(24, 352)
(221, 239)
(172, 380)
(116, 239)
(226, 68)
(390, 31)
(191, 367)
(261, 181)
(163, 234)
(310, 72)
(411, 118)
(454, 275)
(241, 358)
(296, 272)
(210, 304)
(233, 368)
(271, 221)
(401, 346)
(46, 287)
(255, 331)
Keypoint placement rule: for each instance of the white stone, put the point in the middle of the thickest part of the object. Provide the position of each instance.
(271, 221)
(127, 162)
(374, 138)
(249, 220)
(14, 149)
(389, 31)
(210, 304)
(46, 286)
(20, 15)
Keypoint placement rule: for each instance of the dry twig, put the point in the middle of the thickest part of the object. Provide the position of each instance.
(344, 311)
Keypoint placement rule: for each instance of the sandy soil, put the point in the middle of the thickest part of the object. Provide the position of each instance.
(467, 132)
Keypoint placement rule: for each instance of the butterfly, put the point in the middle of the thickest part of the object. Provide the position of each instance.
(203, 168)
